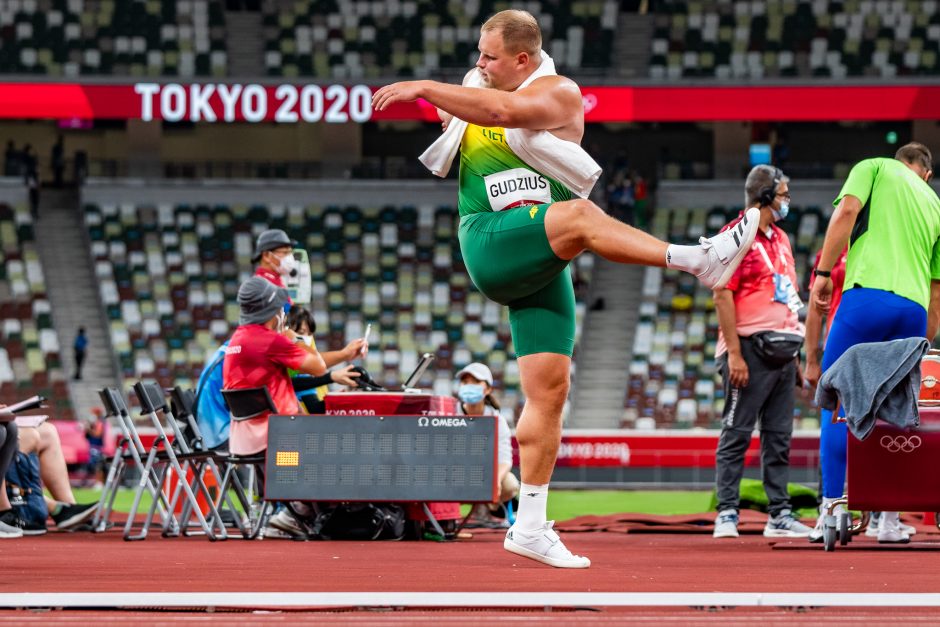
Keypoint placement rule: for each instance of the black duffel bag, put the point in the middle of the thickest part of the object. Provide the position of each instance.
(777, 348)
(360, 521)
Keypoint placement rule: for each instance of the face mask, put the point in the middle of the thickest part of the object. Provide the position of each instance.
(782, 213)
(288, 266)
(470, 393)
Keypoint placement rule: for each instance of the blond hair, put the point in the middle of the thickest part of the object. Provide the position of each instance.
(520, 31)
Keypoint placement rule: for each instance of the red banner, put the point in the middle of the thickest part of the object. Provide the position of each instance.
(666, 450)
(297, 103)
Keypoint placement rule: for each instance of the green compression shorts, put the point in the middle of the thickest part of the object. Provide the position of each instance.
(510, 260)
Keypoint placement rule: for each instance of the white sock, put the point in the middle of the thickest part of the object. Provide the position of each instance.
(533, 500)
(689, 259)
(890, 520)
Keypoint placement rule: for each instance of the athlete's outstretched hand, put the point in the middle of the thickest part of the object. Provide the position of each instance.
(821, 295)
(405, 91)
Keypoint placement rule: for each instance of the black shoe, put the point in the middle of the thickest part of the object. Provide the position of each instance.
(10, 518)
(71, 516)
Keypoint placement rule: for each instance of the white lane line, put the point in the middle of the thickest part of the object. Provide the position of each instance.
(466, 599)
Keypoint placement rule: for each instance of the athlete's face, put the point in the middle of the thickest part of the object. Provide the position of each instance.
(498, 67)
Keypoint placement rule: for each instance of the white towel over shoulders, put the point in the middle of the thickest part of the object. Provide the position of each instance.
(562, 160)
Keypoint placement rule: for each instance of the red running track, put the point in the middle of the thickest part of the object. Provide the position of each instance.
(622, 562)
(81, 562)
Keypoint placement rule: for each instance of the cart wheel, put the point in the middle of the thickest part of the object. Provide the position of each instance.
(845, 535)
(829, 538)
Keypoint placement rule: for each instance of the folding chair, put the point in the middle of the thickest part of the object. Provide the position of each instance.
(182, 409)
(130, 453)
(246, 404)
(175, 455)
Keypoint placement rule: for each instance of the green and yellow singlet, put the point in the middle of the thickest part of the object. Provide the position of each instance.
(493, 178)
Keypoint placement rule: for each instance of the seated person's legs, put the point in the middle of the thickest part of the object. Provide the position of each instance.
(44, 441)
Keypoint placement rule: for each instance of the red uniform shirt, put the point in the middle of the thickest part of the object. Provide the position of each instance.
(755, 309)
(260, 357)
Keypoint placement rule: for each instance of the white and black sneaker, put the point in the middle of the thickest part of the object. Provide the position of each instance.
(543, 545)
(723, 252)
(10, 525)
(785, 525)
(71, 516)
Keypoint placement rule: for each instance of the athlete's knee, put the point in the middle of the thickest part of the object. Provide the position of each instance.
(581, 212)
(549, 392)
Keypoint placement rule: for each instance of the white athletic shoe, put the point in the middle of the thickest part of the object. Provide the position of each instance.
(283, 521)
(890, 530)
(543, 545)
(725, 251)
(726, 524)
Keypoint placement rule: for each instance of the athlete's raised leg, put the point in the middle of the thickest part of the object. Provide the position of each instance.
(574, 226)
(545, 382)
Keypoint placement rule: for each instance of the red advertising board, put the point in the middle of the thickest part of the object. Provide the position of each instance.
(388, 404)
(665, 449)
(290, 103)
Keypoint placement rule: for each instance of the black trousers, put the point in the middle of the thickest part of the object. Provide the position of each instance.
(768, 400)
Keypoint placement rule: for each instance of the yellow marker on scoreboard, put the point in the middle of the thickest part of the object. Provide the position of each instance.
(287, 458)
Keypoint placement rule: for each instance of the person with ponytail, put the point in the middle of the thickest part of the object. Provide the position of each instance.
(475, 392)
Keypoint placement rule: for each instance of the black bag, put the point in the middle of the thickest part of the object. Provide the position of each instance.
(777, 348)
(360, 521)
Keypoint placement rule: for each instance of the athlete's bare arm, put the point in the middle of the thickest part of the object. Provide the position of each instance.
(837, 238)
(550, 103)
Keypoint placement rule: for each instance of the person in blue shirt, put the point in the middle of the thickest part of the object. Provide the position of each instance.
(80, 345)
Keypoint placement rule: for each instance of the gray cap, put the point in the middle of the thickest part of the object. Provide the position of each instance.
(269, 240)
(260, 300)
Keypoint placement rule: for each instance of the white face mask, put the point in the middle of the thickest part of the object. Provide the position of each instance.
(288, 266)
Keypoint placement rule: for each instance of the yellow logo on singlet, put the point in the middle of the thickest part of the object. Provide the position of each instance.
(534, 210)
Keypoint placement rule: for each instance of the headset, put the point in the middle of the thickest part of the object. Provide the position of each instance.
(769, 194)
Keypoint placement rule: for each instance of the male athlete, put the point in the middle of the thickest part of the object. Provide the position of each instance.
(889, 217)
(519, 229)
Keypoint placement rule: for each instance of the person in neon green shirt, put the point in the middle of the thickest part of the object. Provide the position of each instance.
(520, 228)
(889, 217)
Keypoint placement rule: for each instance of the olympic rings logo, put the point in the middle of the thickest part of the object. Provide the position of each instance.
(901, 443)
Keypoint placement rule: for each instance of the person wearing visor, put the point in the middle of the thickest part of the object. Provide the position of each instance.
(260, 353)
(274, 254)
(475, 392)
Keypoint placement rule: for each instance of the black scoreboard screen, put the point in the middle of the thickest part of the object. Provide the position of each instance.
(381, 458)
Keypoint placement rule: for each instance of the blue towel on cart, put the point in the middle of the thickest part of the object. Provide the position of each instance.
(877, 380)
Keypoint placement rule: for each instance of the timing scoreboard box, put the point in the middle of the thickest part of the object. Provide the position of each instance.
(381, 458)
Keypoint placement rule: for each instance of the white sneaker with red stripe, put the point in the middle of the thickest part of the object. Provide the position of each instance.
(725, 251)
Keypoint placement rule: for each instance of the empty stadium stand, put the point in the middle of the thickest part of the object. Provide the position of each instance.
(801, 38)
(169, 275)
(328, 38)
(30, 352)
(106, 37)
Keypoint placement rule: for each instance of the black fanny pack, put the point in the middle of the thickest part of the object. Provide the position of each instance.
(777, 348)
